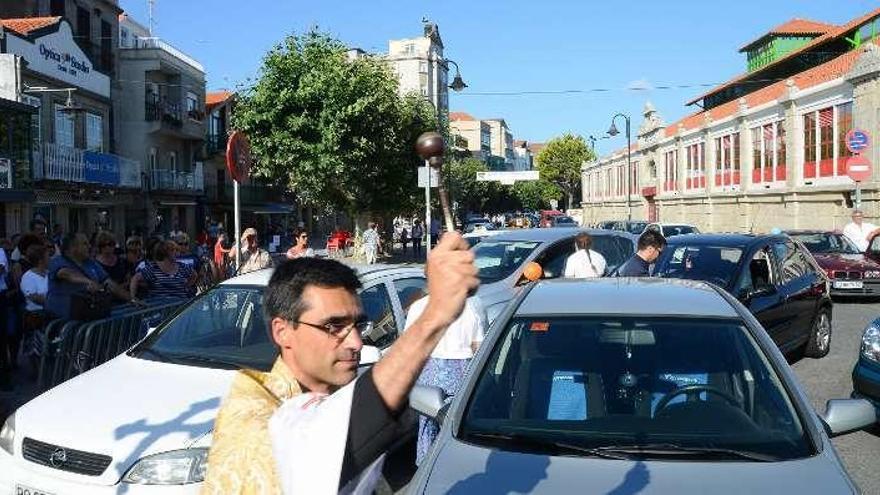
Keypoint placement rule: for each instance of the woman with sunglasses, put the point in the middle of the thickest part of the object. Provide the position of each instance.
(301, 247)
(115, 266)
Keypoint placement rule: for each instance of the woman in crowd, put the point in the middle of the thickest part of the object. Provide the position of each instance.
(301, 247)
(221, 256)
(115, 266)
(134, 254)
(164, 277)
(34, 288)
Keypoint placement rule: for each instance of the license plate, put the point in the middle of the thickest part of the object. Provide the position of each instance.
(26, 490)
(841, 284)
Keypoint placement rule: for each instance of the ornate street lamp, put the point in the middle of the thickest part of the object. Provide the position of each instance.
(612, 131)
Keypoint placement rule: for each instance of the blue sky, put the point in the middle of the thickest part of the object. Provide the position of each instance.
(513, 46)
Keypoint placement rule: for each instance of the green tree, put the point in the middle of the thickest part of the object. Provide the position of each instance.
(333, 130)
(535, 194)
(462, 183)
(559, 163)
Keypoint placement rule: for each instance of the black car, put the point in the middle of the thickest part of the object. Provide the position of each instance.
(772, 275)
(563, 221)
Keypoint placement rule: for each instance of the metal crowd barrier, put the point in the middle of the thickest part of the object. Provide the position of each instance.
(73, 347)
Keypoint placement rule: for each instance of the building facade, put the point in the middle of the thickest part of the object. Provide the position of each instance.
(767, 149)
(79, 179)
(420, 67)
(16, 142)
(162, 124)
(471, 135)
(501, 145)
(522, 156)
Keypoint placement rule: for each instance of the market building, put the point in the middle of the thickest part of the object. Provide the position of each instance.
(766, 149)
(78, 180)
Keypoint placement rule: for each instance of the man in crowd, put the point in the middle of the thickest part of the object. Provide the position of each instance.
(372, 243)
(651, 244)
(858, 231)
(253, 257)
(316, 320)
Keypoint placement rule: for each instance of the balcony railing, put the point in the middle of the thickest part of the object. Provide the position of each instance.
(164, 111)
(215, 143)
(66, 164)
(5, 173)
(174, 180)
(158, 44)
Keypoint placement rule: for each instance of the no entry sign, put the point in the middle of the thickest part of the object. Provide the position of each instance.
(858, 168)
(857, 140)
(238, 156)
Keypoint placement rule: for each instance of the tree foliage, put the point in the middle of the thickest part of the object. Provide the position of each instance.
(535, 194)
(559, 163)
(333, 130)
(461, 179)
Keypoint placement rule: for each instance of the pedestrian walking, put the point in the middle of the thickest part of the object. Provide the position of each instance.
(404, 239)
(651, 243)
(311, 424)
(372, 243)
(448, 365)
(417, 234)
(584, 263)
(435, 231)
(859, 231)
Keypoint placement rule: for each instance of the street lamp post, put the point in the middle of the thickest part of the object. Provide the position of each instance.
(613, 132)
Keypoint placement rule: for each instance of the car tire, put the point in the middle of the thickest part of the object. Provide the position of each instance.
(819, 343)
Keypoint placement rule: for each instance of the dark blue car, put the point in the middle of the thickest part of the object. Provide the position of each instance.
(866, 374)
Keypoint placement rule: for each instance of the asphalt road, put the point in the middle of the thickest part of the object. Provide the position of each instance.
(831, 378)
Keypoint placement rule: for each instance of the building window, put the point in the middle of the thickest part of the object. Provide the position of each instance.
(153, 153)
(727, 164)
(172, 161)
(36, 129)
(423, 67)
(63, 127)
(634, 177)
(671, 170)
(94, 132)
(123, 38)
(768, 153)
(696, 166)
(825, 152)
(409, 49)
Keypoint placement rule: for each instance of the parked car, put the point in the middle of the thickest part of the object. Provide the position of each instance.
(606, 224)
(632, 386)
(563, 221)
(852, 272)
(772, 275)
(473, 238)
(635, 227)
(502, 259)
(671, 229)
(866, 373)
(546, 217)
(520, 221)
(151, 410)
(479, 224)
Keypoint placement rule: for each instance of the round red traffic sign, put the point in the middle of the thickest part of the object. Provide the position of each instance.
(238, 156)
(858, 168)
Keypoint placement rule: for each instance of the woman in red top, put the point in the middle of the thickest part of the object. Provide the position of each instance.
(220, 257)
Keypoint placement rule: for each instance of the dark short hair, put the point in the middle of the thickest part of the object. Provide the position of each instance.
(298, 232)
(162, 250)
(583, 241)
(282, 298)
(37, 221)
(28, 240)
(651, 238)
(35, 253)
(68, 240)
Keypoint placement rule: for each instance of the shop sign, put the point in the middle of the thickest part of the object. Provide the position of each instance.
(100, 168)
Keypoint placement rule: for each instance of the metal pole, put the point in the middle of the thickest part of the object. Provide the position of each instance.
(858, 195)
(427, 228)
(628, 172)
(235, 199)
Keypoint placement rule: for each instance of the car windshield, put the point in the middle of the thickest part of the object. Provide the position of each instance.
(823, 243)
(565, 221)
(673, 387)
(496, 260)
(709, 263)
(636, 227)
(671, 230)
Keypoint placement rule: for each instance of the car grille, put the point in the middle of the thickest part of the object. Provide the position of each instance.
(842, 275)
(74, 461)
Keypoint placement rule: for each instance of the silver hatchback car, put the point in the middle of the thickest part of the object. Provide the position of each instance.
(632, 386)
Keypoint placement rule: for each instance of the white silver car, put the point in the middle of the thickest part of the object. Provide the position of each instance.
(644, 386)
(142, 422)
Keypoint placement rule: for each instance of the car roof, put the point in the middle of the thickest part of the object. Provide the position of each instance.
(724, 240)
(550, 235)
(261, 278)
(810, 231)
(626, 296)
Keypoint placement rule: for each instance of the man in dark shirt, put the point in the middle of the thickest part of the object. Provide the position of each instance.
(651, 244)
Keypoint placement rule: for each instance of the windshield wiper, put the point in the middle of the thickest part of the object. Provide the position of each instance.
(553, 447)
(195, 358)
(165, 358)
(674, 450)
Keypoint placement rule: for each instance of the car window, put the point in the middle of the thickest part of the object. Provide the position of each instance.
(792, 264)
(552, 260)
(759, 274)
(496, 260)
(714, 264)
(671, 230)
(875, 245)
(606, 381)
(409, 290)
(377, 307)
(827, 243)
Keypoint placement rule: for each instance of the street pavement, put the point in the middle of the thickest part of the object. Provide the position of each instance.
(831, 378)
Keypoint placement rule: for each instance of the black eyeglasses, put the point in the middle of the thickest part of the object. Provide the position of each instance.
(340, 330)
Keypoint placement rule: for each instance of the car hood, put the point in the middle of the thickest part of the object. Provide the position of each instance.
(461, 468)
(839, 261)
(127, 408)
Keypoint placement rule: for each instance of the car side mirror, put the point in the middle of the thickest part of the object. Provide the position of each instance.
(844, 416)
(427, 400)
(531, 273)
(369, 355)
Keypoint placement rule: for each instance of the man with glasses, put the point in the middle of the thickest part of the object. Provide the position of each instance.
(316, 320)
(651, 244)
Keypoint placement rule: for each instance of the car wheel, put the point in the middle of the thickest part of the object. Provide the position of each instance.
(820, 335)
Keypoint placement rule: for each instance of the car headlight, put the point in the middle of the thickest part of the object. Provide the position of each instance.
(7, 435)
(176, 467)
(871, 344)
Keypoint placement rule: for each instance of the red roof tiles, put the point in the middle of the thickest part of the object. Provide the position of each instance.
(216, 97)
(459, 116)
(28, 24)
(794, 27)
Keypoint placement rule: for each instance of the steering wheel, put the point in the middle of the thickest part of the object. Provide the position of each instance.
(694, 390)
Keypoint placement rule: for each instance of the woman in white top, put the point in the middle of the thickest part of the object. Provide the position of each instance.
(448, 364)
(584, 263)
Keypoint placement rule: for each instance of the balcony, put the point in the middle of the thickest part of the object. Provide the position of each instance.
(73, 165)
(166, 48)
(178, 181)
(163, 111)
(172, 117)
(216, 143)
